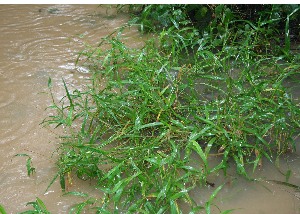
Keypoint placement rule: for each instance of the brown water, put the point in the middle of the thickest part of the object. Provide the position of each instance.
(42, 41)
(38, 42)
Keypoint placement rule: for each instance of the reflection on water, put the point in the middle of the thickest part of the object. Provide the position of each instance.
(42, 41)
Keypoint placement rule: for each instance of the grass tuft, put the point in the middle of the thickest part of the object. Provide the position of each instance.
(147, 110)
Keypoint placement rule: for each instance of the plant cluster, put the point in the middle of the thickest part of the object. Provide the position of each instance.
(218, 91)
(155, 110)
(133, 135)
(263, 22)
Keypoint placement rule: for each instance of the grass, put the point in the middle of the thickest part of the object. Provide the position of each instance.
(29, 167)
(135, 134)
(39, 207)
(134, 128)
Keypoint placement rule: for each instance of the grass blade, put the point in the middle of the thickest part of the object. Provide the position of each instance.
(2, 210)
(211, 198)
(68, 94)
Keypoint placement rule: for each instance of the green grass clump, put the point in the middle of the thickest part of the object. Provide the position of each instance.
(136, 126)
(39, 207)
(146, 111)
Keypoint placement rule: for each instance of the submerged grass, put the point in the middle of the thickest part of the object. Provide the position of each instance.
(136, 134)
(147, 110)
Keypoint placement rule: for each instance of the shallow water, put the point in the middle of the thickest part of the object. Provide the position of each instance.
(42, 41)
(261, 196)
(38, 42)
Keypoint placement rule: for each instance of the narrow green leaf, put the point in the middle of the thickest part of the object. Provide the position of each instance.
(150, 125)
(252, 131)
(62, 181)
(49, 82)
(30, 212)
(174, 207)
(164, 191)
(196, 135)
(113, 172)
(211, 198)
(209, 145)
(178, 195)
(42, 206)
(69, 118)
(164, 90)
(196, 209)
(30, 169)
(2, 210)
(175, 23)
(119, 187)
(228, 211)
(178, 123)
(52, 181)
(68, 94)
(22, 155)
(200, 152)
(287, 32)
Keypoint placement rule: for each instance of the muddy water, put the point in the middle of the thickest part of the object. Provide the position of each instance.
(42, 41)
(38, 42)
(262, 196)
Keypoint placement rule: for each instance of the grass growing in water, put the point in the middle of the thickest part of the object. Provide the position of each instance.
(39, 207)
(29, 167)
(146, 110)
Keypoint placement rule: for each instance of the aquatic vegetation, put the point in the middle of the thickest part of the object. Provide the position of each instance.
(39, 207)
(134, 128)
(29, 167)
(135, 134)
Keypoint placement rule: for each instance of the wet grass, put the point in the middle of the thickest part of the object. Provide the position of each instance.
(38, 207)
(29, 167)
(147, 110)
